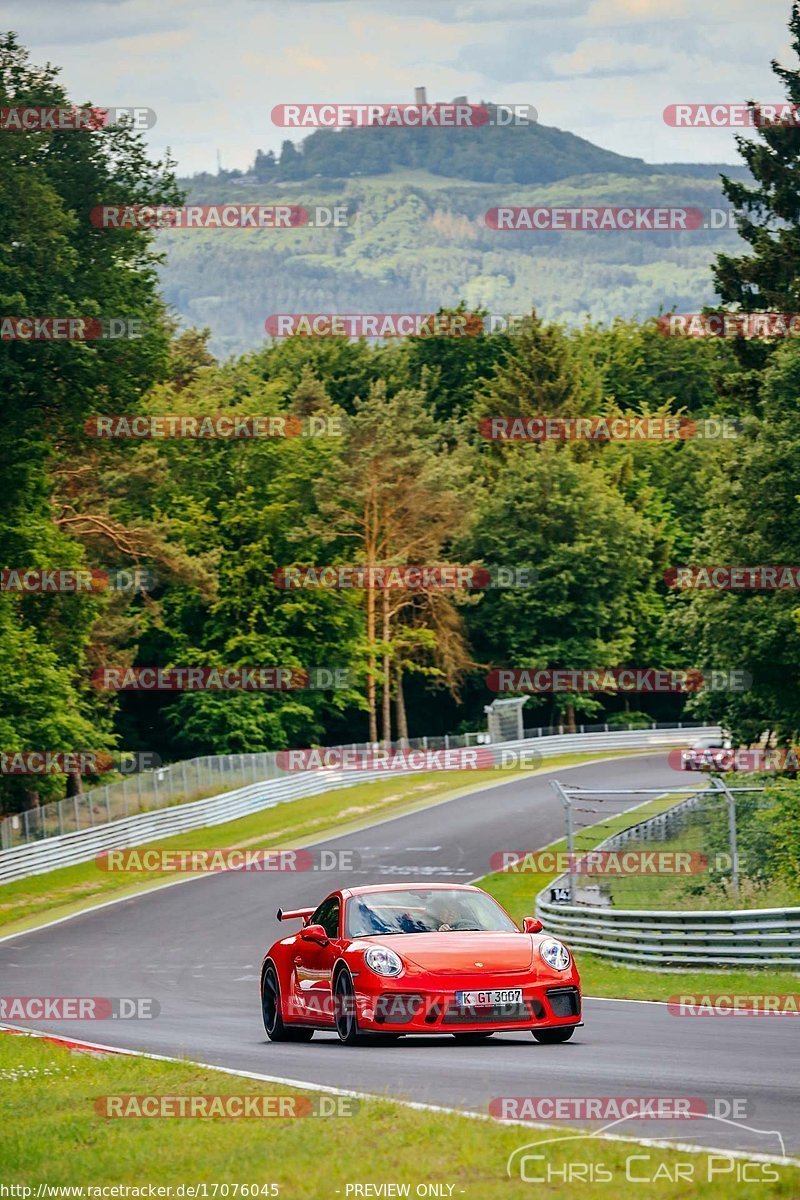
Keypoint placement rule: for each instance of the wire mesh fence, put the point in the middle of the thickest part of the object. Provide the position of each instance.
(196, 778)
(706, 848)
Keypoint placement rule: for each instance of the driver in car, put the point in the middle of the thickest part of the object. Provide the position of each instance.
(446, 916)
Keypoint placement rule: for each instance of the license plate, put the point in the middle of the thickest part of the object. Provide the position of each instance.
(489, 999)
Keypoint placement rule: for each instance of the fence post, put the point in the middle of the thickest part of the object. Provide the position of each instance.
(108, 804)
(567, 803)
(733, 846)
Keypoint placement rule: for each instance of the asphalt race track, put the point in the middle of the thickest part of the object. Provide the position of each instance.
(197, 949)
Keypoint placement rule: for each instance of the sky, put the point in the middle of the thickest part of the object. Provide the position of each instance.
(603, 69)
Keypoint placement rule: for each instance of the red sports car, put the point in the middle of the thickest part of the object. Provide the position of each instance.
(436, 958)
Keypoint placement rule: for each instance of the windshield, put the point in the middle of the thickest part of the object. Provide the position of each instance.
(424, 910)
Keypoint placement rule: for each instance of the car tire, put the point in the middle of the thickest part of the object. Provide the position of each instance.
(344, 1007)
(277, 1031)
(468, 1039)
(549, 1037)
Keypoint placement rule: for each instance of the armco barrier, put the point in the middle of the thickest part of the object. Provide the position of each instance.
(665, 940)
(48, 854)
(764, 937)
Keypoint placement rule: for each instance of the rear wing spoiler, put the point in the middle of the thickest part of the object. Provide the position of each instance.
(290, 914)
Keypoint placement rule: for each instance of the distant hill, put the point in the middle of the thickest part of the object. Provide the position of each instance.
(417, 240)
(525, 153)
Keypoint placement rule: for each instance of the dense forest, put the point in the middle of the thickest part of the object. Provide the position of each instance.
(403, 474)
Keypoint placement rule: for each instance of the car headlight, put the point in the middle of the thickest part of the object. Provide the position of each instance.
(555, 954)
(383, 961)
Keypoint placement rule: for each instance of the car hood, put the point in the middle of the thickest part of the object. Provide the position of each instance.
(457, 952)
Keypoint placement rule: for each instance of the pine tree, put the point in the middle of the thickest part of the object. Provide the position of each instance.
(767, 216)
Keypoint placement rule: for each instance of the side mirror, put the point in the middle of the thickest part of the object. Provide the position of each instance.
(315, 933)
(532, 925)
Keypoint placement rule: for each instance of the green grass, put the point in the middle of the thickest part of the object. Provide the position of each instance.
(603, 977)
(517, 892)
(50, 1132)
(26, 902)
(696, 892)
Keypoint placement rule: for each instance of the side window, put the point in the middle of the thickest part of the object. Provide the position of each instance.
(327, 915)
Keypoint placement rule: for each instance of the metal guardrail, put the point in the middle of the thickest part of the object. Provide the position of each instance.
(196, 779)
(765, 937)
(665, 939)
(50, 853)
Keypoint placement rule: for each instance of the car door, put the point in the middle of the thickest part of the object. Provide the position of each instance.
(313, 966)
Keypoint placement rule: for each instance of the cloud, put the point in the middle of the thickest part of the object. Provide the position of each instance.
(599, 58)
(604, 69)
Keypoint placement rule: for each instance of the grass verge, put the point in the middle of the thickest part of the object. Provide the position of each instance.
(697, 892)
(63, 1141)
(27, 902)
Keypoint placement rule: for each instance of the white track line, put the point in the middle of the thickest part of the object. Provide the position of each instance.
(418, 1105)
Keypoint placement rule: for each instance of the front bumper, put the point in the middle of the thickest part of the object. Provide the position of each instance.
(406, 1009)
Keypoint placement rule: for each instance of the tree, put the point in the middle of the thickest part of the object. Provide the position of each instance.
(266, 166)
(589, 554)
(768, 217)
(753, 518)
(396, 495)
(56, 263)
(291, 164)
(543, 374)
(451, 369)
